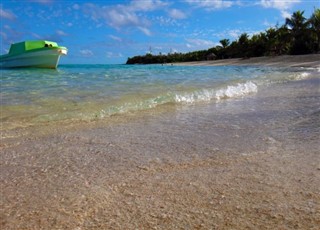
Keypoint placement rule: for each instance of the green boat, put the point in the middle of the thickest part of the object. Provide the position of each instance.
(38, 54)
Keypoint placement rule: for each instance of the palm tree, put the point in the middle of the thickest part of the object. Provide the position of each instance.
(297, 22)
(243, 45)
(224, 42)
(257, 45)
(243, 39)
(298, 25)
(315, 28)
(282, 40)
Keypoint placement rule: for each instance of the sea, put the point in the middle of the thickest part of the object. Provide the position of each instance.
(93, 92)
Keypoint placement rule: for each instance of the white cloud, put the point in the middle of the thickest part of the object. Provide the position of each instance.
(177, 14)
(267, 23)
(236, 33)
(125, 15)
(114, 55)
(115, 38)
(7, 14)
(285, 14)
(195, 43)
(233, 33)
(282, 5)
(146, 31)
(121, 18)
(61, 33)
(86, 53)
(146, 5)
(211, 4)
(56, 36)
(279, 4)
(167, 21)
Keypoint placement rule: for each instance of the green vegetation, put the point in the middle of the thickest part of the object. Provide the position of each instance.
(298, 35)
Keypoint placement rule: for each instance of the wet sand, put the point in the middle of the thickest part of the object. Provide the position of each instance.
(246, 163)
(310, 60)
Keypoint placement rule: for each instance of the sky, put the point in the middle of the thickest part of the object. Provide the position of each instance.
(108, 32)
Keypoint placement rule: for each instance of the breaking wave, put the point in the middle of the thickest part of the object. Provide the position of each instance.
(239, 90)
(198, 96)
(301, 76)
(232, 91)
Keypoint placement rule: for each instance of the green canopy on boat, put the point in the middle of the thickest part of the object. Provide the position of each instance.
(22, 47)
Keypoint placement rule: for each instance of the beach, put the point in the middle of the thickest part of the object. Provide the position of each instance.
(310, 60)
(245, 162)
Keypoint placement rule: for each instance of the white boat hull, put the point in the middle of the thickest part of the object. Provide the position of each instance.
(39, 59)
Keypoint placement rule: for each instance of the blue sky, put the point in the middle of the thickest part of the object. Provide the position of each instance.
(107, 32)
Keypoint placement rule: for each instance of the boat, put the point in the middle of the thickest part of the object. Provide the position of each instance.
(38, 54)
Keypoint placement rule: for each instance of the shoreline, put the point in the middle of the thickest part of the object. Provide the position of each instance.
(309, 60)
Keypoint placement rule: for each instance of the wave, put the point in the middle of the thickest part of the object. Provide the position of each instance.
(301, 76)
(231, 91)
(204, 95)
(239, 90)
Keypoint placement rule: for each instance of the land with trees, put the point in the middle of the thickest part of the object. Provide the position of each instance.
(299, 35)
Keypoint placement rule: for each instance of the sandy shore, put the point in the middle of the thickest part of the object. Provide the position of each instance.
(312, 60)
(251, 163)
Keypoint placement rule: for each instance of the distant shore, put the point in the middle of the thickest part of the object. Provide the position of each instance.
(310, 60)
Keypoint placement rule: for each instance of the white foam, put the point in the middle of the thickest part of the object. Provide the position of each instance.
(301, 76)
(205, 95)
(239, 90)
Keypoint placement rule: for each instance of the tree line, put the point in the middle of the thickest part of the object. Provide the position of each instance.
(298, 35)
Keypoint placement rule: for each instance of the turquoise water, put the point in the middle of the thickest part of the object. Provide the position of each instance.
(89, 92)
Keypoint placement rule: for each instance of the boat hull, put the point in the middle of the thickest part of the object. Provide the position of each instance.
(48, 58)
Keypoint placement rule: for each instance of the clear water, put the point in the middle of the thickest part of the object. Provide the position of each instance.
(89, 92)
(240, 132)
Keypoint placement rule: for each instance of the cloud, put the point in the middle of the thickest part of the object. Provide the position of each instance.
(199, 43)
(146, 5)
(145, 30)
(10, 35)
(282, 5)
(235, 33)
(211, 4)
(118, 18)
(61, 33)
(177, 14)
(114, 55)
(124, 15)
(57, 36)
(115, 38)
(285, 14)
(7, 14)
(167, 21)
(86, 53)
(279, 4)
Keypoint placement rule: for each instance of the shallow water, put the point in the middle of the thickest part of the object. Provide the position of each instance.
(91, 92)
(245, 153)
